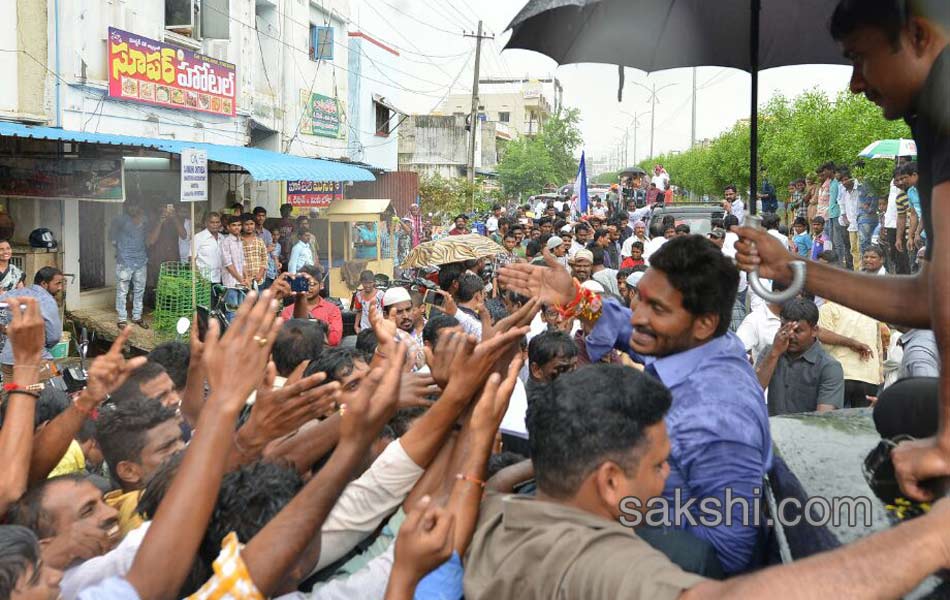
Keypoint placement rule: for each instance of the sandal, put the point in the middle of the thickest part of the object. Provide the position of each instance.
(141, 323)
(122, 325)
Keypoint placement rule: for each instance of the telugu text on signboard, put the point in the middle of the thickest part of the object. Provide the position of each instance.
(83, 178)
(145, 70)
(321, 115)
(194, 175)
(313, 194)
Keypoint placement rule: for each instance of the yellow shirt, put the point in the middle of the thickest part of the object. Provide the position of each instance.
(73, 461)
(850, 323)
(127, 504)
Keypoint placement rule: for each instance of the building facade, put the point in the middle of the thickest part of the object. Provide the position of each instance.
(268, 74)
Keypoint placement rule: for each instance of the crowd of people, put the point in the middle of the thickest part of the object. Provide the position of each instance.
(513, 440)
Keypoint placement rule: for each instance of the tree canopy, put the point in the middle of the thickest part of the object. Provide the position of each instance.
(795, 138)
(531, 162)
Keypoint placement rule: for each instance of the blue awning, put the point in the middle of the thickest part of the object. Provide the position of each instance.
(263, 165)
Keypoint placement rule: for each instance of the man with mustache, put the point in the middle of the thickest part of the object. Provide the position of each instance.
(718, 422)
(900, 53)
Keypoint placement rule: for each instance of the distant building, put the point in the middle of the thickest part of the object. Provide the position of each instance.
(439, 145)
(523, 110)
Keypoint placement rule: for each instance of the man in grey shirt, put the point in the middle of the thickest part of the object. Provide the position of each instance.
(921, 357)
(47, 284)
(799, 375)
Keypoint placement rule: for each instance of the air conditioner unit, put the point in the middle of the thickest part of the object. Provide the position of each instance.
(180, 16)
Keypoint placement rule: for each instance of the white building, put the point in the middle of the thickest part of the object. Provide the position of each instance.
(373, 100)
(278, 80)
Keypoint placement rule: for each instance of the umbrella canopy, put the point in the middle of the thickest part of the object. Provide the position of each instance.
(654, 35)
(456, 248)
(632, 172)
(890, 149)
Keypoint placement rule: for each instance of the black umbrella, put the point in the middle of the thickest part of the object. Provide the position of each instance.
(632, 172)
(653, 35)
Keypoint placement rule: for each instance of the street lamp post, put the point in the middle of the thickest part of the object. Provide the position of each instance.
(653, 101)
(636, 126)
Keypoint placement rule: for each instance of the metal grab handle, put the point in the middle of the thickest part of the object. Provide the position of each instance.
(799, 270)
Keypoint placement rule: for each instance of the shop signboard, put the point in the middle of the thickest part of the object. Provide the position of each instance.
(321, 115)
(98, 179)
(152, 72)
(313, 194)
(194, 175)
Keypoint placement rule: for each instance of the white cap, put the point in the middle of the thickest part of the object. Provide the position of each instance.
(567, 229)
(585, 254)
(633, 280)
(593, 286)
(395, 295)
(555, 242)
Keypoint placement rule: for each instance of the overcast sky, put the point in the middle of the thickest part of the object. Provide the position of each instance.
(722, 99)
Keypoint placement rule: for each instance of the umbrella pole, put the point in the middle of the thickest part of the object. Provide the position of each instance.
(755, 13)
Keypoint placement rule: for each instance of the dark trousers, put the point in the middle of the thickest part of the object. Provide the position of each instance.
(856, 393)
(895, 260)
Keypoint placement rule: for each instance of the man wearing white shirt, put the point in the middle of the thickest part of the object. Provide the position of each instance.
(491, 223)
(758, 329)
(207, 251)
(732, 203)
(540, 207)
(661, 178)
(639, 235)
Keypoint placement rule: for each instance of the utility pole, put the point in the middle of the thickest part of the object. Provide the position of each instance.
(692, 137)
(653, 102)
(474, 115)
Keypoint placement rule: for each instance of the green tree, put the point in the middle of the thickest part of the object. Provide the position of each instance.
(795, 138)
(448, 197)
(530, 163)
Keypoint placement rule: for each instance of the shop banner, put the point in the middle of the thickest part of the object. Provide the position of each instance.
(144, 70)
(321, 115)
(313, 194)
(62, 179)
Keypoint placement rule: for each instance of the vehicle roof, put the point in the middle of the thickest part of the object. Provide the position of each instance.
(689, 208)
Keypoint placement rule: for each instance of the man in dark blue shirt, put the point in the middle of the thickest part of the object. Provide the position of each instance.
(718, 422)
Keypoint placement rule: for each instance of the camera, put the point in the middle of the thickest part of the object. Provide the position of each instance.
(300, 283)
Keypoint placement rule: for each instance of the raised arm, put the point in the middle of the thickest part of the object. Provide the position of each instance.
(277, 547)
(182, 517)
(16, 437)
(106, 374)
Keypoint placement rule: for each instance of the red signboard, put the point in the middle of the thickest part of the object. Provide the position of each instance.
(313, 194)
(144, 70)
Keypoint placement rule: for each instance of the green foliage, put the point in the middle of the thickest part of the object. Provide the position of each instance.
(607, 178)
(449, 197)
(795, 138)
(530, 163)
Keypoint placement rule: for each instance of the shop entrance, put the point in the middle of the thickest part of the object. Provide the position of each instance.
(92, 245)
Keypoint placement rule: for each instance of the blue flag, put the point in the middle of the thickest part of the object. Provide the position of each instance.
(580, 186)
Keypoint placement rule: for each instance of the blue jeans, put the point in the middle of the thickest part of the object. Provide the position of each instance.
(866, 233)
(124, 278)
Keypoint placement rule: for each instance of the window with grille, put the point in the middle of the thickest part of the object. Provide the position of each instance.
(321, 42)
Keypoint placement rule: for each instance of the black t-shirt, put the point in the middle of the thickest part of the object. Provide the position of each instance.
(931, 127)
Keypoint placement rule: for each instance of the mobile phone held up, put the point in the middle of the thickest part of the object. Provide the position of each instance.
(434, 298)
(300, 284)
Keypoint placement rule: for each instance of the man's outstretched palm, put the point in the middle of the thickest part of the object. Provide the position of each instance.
(553, 283)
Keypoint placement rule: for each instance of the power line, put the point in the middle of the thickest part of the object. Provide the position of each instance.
(410, 42)
(333, 65)
(449, 16)
(418, 20)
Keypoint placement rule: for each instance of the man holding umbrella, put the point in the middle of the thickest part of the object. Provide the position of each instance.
(902, 63)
